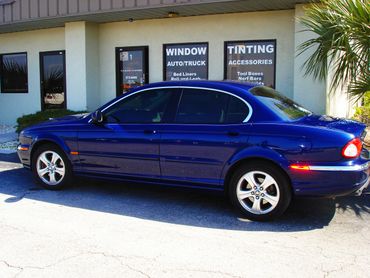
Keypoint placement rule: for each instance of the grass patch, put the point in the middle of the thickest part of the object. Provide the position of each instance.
(42, 116)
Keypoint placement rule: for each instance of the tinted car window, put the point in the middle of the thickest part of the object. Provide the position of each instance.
(144, 107)
(281, 105)
(202, 107)
(237, 111)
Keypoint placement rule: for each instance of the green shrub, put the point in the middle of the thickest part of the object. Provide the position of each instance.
(42, 116)
(362, 113)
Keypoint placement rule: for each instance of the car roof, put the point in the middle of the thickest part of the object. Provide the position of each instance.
(221, 85)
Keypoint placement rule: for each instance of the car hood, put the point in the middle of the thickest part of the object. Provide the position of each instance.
(70, 119)
(349, 126)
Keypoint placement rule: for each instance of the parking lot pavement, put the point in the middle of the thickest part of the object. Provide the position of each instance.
(101, 229)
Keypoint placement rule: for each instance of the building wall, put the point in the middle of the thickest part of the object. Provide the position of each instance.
(91, 65)
(214, 29)
(33, 42)
(309, 92)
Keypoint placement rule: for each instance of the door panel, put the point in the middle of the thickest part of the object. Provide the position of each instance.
(128, 141)
(130, 150)
(198, 153)
(208, 131)
(53, 83)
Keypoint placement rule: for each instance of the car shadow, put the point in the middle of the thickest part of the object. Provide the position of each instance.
(176, 206)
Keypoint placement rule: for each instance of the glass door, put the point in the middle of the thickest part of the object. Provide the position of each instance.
(53, 82)
(132, 67)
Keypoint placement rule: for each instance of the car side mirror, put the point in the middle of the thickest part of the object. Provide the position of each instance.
(97, 117)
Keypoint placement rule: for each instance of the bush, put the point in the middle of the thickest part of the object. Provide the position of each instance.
(42, 116)
(362, 113)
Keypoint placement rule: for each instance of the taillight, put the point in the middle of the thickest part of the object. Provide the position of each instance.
(352, 149)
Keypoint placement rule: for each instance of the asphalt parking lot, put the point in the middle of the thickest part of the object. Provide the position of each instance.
(101, 229)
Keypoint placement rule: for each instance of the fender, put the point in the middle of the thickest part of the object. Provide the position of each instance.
(255, 152)
(66, 143)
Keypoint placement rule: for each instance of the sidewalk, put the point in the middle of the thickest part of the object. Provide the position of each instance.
(8, 139)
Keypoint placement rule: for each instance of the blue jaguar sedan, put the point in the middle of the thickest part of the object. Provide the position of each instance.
(255, 144)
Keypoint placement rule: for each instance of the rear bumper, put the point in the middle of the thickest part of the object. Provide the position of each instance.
(363, 188)
(331, 180)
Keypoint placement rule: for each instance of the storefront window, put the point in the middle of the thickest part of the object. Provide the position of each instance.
(251, 61)
(187, 61)
(13, 73)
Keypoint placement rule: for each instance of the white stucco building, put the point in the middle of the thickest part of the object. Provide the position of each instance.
(80, 54)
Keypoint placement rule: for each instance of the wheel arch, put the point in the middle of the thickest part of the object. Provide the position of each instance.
(265, 156)
(51, 141)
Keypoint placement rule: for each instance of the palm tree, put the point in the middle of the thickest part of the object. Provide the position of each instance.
(342, 43)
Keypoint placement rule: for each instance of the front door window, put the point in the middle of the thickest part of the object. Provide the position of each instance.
(142, 108)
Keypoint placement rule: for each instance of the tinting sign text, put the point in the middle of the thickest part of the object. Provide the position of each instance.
(251, 61)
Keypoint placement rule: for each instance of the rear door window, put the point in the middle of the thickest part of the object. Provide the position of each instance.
(198, 106)
(237, 111)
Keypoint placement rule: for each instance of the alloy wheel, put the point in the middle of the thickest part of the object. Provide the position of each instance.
(258, 192)
(50, 168)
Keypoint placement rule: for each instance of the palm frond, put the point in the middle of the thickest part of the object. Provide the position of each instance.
(361, 86)
(341, 43)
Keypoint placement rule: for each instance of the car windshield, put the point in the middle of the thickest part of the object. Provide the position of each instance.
(281, 105)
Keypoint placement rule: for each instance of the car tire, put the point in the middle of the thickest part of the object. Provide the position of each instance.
(260, 191)
(51, 168)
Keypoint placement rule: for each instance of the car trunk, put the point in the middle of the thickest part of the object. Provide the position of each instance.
(349, 126)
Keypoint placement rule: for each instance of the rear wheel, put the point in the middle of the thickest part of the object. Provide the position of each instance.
(51, 168)
(260, 191)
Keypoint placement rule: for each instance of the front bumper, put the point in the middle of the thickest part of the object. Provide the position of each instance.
(331, 180)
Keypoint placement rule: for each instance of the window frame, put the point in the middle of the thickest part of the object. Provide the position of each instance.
(1, 74)
(173, 110)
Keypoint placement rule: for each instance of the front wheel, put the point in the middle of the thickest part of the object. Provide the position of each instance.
(260, 191)
(51, 168)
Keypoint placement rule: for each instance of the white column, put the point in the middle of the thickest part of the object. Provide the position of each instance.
(82, 65)
(92, 66)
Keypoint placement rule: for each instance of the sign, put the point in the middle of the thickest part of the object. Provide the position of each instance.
(132, 67)
(251, 61)
(188, 61)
